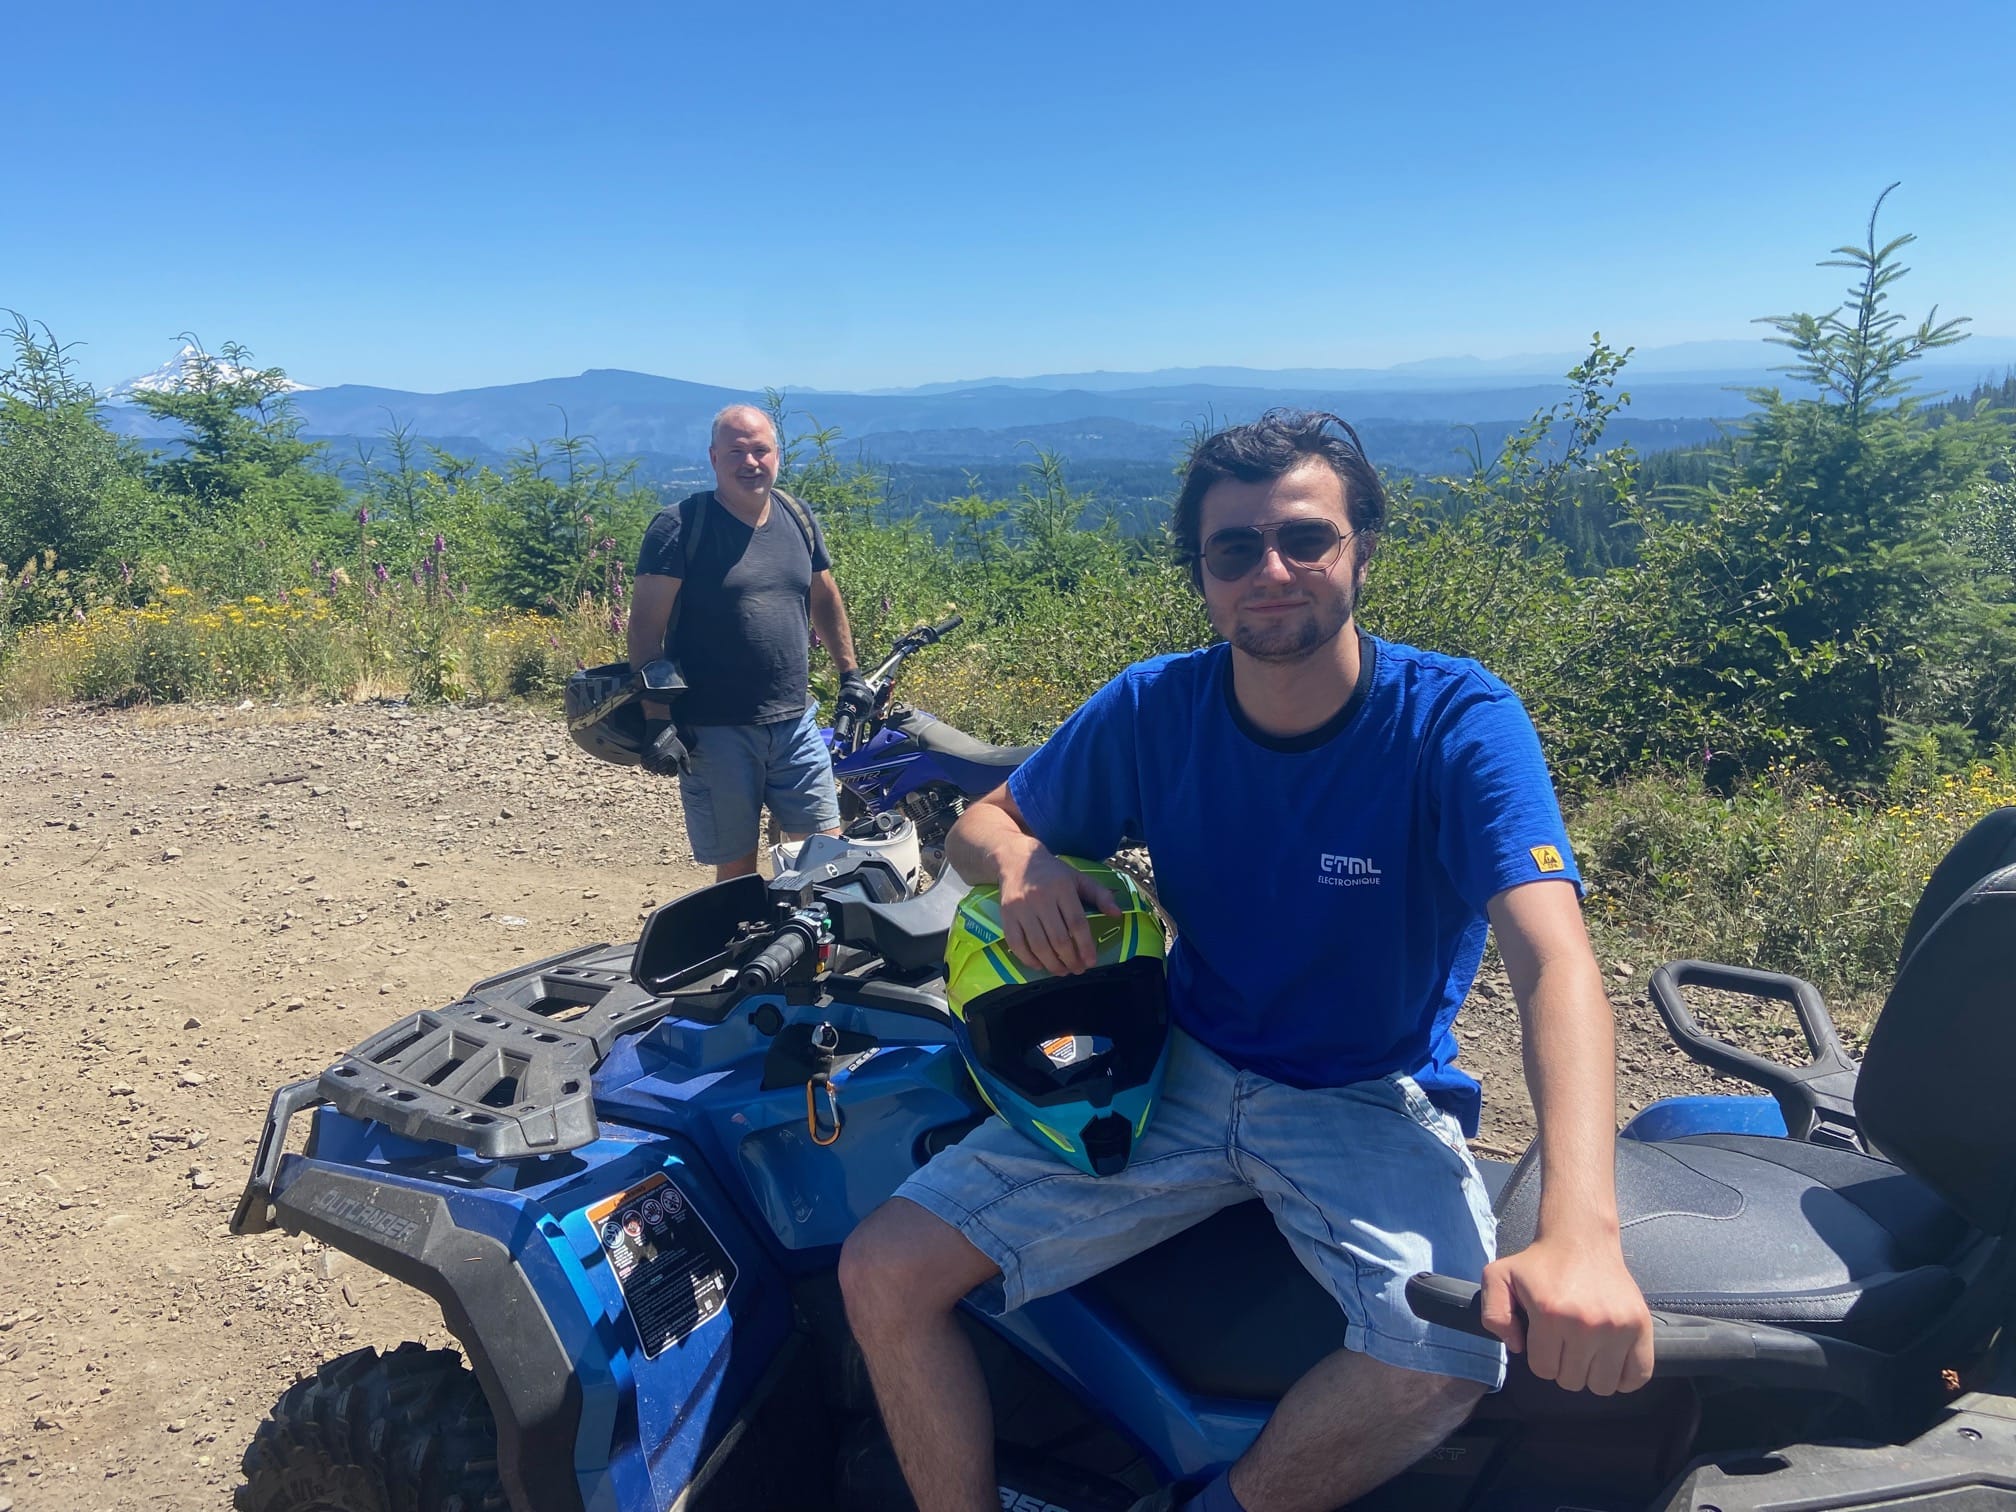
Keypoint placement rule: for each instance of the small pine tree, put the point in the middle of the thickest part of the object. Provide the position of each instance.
(1855, 355)
(67, 485)
(1814, 598)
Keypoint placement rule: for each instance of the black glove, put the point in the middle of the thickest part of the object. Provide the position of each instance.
(856, 697)
(667, 755)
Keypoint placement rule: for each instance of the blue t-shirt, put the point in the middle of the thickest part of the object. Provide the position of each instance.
(1328, 889)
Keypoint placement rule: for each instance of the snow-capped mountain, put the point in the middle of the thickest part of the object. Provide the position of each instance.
(176, 371)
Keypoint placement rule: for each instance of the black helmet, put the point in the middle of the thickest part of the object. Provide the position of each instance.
(604, 717)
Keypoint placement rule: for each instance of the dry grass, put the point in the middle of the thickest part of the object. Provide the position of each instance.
(340, 644)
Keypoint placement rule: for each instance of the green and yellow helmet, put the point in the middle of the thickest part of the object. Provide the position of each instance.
(1073, 1062)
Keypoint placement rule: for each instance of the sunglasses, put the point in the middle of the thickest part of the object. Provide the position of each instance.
(1231, 553)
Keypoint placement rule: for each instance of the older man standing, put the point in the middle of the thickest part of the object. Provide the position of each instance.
(730, 583)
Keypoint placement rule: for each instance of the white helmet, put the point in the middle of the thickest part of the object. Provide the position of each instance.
(889, 837)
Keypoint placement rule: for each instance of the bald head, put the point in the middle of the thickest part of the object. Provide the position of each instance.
(745, 457)
(742, 417)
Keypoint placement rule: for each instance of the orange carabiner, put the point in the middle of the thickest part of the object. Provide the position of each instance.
(812, 1110)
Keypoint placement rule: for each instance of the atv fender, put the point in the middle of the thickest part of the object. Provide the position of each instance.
(489, 1303)
(1965, 1461)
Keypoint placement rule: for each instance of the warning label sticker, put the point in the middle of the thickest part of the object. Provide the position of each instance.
(673, 1271)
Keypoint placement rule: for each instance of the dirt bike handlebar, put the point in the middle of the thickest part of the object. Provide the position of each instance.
(847, 727)
(915, 641)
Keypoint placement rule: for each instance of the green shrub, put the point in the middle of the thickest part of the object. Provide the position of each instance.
(1779, 874)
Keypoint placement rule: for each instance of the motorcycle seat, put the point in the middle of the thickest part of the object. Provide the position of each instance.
(936, 735)
(1771, 1230)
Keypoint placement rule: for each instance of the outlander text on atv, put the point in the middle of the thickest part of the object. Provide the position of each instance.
(625, 1174)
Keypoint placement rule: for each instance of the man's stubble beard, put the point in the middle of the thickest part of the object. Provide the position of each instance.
(1287, 644)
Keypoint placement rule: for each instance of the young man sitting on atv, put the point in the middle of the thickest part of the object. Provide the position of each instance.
(1334, 820)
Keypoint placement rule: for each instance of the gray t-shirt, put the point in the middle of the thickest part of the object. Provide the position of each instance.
(745, 626)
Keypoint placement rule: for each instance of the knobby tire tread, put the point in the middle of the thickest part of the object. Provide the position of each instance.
(407, 1431)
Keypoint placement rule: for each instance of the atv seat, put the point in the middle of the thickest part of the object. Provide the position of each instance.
(1766, 1230)
(1721, 1225)
(1250, 1337)
(1225, 1305)
(1902, 1252)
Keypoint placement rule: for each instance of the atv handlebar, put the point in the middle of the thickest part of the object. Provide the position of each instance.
(774, 961)
(1682, 1343)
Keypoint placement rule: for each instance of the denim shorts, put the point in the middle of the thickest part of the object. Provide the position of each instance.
(1370, 1183)
(737, 769)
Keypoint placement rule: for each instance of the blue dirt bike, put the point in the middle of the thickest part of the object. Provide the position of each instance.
(897, 759)
(625, 1174)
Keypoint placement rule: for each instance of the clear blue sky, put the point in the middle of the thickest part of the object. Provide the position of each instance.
(433, 195)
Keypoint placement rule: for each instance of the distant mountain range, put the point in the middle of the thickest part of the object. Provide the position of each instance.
(1678, 395)
(1711, 362)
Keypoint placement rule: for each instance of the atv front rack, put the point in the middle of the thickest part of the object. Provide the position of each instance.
(507, 1071)
(504, 1073)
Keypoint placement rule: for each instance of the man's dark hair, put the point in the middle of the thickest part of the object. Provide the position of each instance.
(1272, 446)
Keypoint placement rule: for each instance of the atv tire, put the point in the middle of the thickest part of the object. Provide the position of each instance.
(407, 1431)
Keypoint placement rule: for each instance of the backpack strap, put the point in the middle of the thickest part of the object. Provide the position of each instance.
(692, 525)
(801, 515)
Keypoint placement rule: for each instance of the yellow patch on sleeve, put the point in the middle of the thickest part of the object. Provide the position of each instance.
(1547, 858)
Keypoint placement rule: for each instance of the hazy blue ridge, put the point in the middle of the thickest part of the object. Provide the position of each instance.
(1140, 416)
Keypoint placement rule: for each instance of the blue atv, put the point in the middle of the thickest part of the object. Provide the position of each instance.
(625, 1173)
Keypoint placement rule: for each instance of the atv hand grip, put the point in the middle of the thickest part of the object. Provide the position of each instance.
(1823, 1041)
(1448, 1303)
(953, 622)
(1682, 1343)
(775, 960)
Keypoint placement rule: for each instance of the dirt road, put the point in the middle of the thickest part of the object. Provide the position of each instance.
(200, 905)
